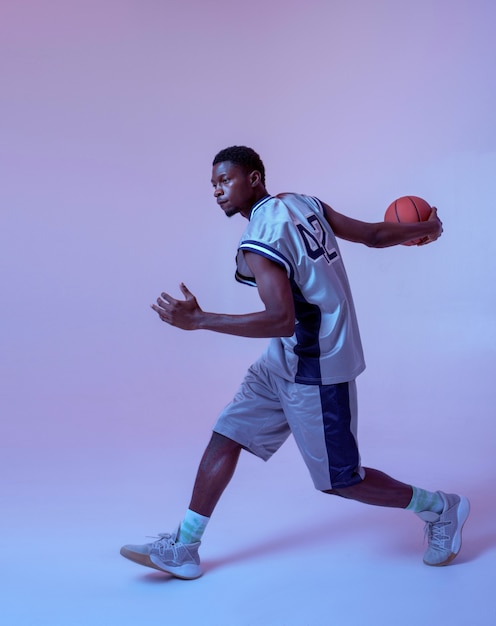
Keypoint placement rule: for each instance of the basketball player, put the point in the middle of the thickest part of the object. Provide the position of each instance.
(304, 383)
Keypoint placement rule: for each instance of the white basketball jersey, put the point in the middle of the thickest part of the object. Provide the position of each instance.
(291, 230)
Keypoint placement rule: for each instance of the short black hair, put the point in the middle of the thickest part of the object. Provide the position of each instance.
(243, 156)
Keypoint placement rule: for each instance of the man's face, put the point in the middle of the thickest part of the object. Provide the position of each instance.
(233, 188)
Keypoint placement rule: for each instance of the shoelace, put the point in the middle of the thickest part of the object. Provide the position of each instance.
(165, 541)
(434, 532)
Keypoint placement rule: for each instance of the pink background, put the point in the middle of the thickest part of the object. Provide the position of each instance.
(111, 113)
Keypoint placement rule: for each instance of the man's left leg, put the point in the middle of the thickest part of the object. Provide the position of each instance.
(444, 514)
(326, 432)
(379, 489)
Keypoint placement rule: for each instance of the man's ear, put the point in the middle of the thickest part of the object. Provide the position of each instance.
(255, 178)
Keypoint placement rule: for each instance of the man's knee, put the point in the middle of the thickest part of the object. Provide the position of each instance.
(340, 491)
(220, 442)
(347, 491)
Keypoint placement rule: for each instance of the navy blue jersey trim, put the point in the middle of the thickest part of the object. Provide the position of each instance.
(319, 203)
(245, 280)
(258, 204)
(266, 251)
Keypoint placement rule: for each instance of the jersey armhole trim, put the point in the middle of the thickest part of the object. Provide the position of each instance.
(269, 253)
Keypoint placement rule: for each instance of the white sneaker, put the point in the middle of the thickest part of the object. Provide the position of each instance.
(167, 554)
(444, 530)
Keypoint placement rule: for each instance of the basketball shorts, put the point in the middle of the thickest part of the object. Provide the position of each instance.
(322, 418)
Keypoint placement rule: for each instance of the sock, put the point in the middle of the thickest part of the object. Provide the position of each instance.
(423, 500)
(192, 527)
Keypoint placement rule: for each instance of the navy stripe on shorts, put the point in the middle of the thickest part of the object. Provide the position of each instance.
(341, 445)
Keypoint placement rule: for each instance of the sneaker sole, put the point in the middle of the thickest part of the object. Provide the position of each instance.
(461, 515)
(188, 571)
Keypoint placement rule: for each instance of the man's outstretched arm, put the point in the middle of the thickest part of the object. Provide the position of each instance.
(276, 320)
(383, 234)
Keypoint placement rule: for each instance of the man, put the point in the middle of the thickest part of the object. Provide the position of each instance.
(304, 383)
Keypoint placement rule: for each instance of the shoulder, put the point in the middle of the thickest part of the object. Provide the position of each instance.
(301, 201)
(285, 210)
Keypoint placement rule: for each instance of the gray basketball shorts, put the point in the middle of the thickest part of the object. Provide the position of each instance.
(322, 418)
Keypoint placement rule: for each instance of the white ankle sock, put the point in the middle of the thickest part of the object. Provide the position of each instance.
(192, 527)
(423, 500)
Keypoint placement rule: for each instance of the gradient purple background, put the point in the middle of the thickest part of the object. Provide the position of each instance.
(111, 113)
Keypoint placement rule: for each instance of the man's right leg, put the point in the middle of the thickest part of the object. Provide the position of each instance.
(256, 419)
(177, 553)
(214, 473)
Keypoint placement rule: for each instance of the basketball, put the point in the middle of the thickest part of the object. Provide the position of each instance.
(408, 209)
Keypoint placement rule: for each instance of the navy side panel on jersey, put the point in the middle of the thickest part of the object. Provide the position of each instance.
(307, 331)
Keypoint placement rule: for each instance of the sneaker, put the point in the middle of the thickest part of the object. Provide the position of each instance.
(167, 554)
(444, 530)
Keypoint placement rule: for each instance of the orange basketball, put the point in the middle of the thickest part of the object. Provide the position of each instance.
(408, 209)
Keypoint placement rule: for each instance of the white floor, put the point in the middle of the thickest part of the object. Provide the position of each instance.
(275, 553)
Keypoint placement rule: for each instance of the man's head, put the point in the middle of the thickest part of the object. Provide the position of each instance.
(238, 178)
(243, 156)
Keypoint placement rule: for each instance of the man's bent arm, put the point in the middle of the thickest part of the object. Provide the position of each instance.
(277, 320)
